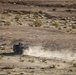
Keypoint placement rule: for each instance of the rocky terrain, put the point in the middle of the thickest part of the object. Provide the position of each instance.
(49, 29)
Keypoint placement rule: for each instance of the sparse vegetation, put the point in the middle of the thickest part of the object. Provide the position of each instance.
(52, 66)
(74, 65)
(32, 61)
(8, 72)
(54, 9)
(45, 49)
(40, 11)
(44, 60)
(19, 22)
(17, 17)
(21, 13)
(21, 60)
(1, 57)
(56, 24)
(8, 67)
(65, 27)
(2, 48)
(5, 11)
(70, 70)
(69, 30)
(36, 15)
(50, 26)
(73, 26)
(2, 17)
(37, 23)
(64, 61)
(7, 23)
(59, 28)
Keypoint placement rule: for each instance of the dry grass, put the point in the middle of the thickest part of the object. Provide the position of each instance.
(74, 64)
(32, 61)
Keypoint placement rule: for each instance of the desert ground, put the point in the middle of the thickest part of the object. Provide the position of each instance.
(49, 29)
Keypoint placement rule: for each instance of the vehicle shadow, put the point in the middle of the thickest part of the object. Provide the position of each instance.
(8, 54)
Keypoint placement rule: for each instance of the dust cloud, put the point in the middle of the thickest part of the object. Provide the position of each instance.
(39, 51)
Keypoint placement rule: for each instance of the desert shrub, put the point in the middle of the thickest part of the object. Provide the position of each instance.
(73, 26)
(32, 61)
(73, 5)
(20, 13)
(28, 5)
(49, 16)
(7, 23)
(19, 22)
(1, 57)
(59, 28)
(74, 64)
(69, 30)
(44, 60)
(54, 9)
(42, 68)
(8, 72)
(5, 11)
(68, 10)
(40, 11)
(52, 66)
(2, 17)
(45, 49)
(37, 23)
(70, 70)
(56, 24)
(2, 48)
(21, 60)
(17, 17)
(8, 67)
(36, 15)
(65, 27)
(64, 61)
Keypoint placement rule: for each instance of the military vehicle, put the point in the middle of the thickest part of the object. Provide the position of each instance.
(19, 48)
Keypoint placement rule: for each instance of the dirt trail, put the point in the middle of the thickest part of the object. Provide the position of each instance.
(47, 41)
(51, 51)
